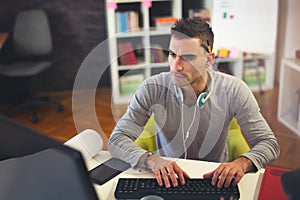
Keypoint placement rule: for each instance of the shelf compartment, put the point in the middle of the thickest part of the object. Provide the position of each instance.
(289, 91)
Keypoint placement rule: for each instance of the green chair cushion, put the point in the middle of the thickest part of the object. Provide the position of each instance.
(236, 143)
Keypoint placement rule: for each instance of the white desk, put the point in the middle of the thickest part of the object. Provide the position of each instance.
(249, 185)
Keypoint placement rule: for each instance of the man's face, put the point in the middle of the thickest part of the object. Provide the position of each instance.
(188, 61)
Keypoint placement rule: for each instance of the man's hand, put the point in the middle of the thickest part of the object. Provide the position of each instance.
(230, 172)
(165, 170)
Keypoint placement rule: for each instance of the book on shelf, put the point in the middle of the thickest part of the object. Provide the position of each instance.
(129, 83)
(195, 13)
(126, 54)
(165, 22)
(121, 22)
(127, 21)
(157, 54)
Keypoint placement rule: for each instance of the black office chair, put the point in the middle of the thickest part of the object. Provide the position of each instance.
(32, 42)
(290, 183)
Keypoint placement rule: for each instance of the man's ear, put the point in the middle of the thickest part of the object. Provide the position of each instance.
(210, 58)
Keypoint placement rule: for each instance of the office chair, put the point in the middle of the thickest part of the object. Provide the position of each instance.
(236, 143)
(32, 42)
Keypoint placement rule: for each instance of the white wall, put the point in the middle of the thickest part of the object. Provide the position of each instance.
(248, 25)
(288, 38)
(292, 37)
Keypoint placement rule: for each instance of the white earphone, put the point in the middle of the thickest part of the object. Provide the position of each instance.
(202, 98)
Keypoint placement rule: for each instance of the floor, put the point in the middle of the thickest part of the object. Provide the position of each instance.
(81, 114)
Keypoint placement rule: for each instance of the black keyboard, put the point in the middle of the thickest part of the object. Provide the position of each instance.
(136, 188)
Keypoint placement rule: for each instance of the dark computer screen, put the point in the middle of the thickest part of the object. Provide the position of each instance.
(54, 173)
(34, 166)
(17, 140)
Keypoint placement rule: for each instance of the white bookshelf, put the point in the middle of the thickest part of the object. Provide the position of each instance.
(141, 40)
(256, 62)
(289, 94)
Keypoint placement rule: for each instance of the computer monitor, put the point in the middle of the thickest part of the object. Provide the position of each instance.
(34, 166)
(18, 140)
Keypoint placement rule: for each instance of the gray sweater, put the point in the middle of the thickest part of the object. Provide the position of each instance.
(229, 97)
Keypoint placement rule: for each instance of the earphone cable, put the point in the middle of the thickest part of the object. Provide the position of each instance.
(185, 136)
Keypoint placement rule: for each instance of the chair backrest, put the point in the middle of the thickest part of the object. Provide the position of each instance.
(236, 143)
(31, 35)
(147, 140)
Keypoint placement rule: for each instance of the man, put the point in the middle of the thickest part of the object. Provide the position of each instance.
(193, 108)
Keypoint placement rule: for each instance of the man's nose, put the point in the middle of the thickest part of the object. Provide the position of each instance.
(178, 64)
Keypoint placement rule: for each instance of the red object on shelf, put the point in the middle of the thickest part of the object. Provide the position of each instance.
(126, 54)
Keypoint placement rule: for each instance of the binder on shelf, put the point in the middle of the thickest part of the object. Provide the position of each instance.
(195, 13)
(253, 74)
(129, 83)
(127, 21)
(165, 22)
(122, 22)
(157, 54)
(133, 20)
(126, 54)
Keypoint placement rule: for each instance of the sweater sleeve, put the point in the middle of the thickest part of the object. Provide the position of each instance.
(121, 143)
(263, 143)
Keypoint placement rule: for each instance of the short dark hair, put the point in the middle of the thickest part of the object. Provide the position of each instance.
(194, 28)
